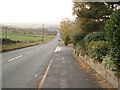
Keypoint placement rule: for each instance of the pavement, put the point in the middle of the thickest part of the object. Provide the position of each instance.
(24, 67)
(65, 72)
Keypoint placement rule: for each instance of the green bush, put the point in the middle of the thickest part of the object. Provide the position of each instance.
(112, 34)
(80, 50)
(77, 50)
(97, 50)
(109, 62)
(78, 37)
(95, 36)
(66, 39)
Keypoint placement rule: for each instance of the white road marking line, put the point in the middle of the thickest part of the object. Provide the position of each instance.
(57, 49)
(46, 72)
(15, 58)
(36, 75)
(29, 52)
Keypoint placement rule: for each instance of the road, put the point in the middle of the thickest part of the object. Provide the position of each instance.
(23, 68)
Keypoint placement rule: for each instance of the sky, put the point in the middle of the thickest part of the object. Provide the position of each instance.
(34, 11)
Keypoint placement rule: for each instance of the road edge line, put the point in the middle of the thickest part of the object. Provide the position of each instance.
(46, 72)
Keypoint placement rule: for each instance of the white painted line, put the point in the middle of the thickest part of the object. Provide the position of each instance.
(57, 49)
(29, 52)
(36, 75)
(46, 72)
(15, 58)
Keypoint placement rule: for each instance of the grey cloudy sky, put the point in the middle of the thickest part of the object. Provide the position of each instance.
(34, 11)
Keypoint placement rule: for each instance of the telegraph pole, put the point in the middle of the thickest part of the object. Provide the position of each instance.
(43, 34)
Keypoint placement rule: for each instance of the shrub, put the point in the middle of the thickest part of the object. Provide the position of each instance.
(109, 62)
(78, 37)
(66, 39)
(80, 50)
(97, 50)
(112, 34)
(95, 36)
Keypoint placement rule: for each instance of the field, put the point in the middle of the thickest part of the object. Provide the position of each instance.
(26, 40)
(20, 37)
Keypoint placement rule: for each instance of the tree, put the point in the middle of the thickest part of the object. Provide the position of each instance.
(93, 15)
(64, 27)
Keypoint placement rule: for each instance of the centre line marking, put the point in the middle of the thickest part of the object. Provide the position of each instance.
(15, 58)
(29, 52)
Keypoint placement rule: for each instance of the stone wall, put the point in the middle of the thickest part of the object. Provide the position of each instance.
(106, 73)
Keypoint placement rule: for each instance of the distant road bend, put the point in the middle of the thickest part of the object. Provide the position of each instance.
(23, 68)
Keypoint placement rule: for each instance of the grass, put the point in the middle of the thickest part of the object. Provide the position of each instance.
(17, 46)
(20, 37)
(9, 47)
(36, 39)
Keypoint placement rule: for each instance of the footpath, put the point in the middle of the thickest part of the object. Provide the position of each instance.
(66, 72)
